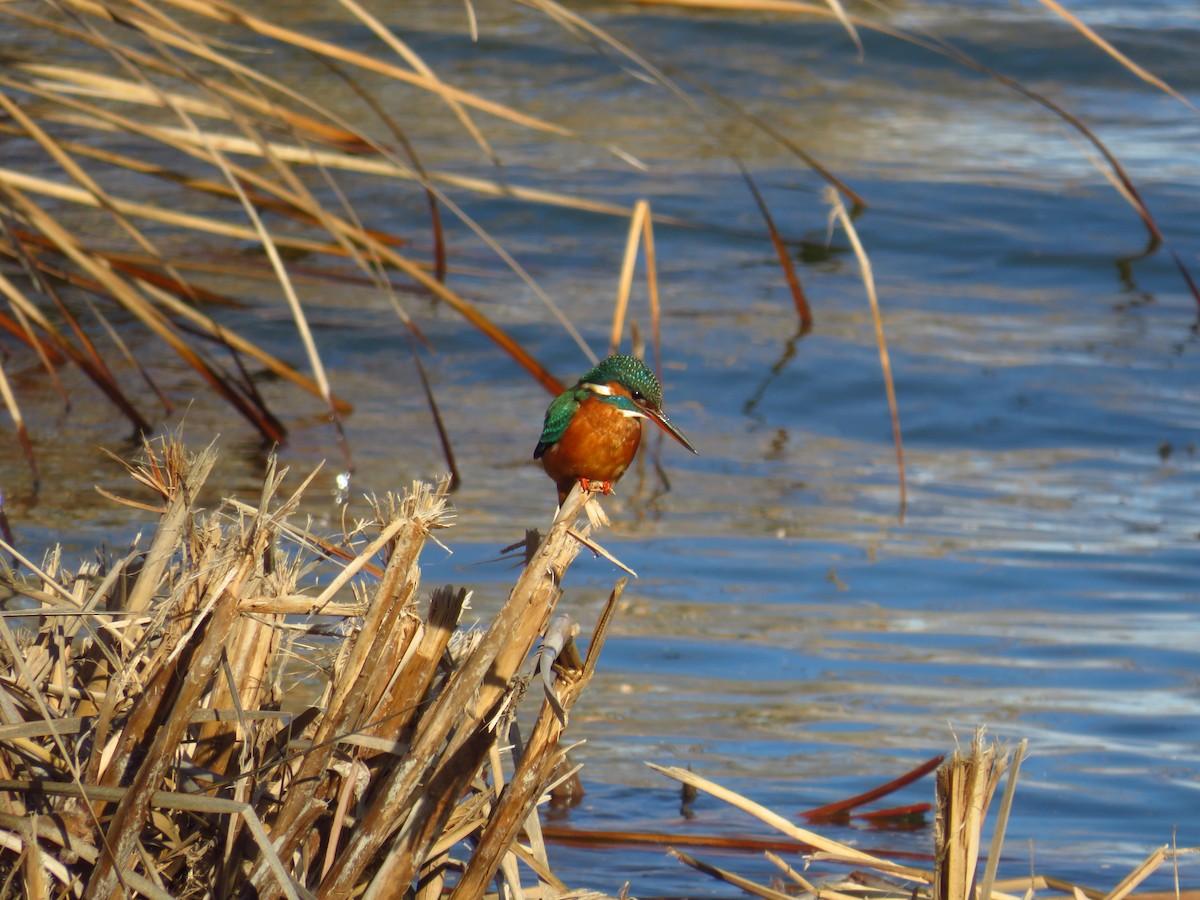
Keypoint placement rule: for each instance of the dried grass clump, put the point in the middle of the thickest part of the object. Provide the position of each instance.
(966, 785)
(148, 743)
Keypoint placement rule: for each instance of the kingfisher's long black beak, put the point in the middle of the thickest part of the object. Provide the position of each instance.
(660, 417)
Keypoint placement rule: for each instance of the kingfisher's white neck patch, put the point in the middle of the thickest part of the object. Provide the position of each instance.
(604, 390)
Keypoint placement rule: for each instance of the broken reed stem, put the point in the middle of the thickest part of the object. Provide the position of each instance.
(537, 764)
(411, 802)
(965, 784)
(159, 737)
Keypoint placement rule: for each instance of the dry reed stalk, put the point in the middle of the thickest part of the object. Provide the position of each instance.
(415, 800)
(539, 759)
(965, 784)
(143, 741)
(838, 212)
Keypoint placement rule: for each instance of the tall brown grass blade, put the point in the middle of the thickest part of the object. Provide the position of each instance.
(229, 13)
(123, 348)
(305, 201)
(433, 284)
(6, 534)
(774, 820)
(797, 7)
(803, 310)
(293, 301)
(32, 184)
(238, 344)
(85, 342)
(381, 166)
(99, 375)
(574, 21)
(438, 422)
(1116, 170)
(64, 159)
(293, 192)
(422, 175)
(293, 204)
(135, 267)
(94, 364)
(840, 12)
(404, 51)
(636, 231)
(136, 304)
(292, 200)
(84, 81)
(521, 357)
(1084, 29)
(996, 845)
(174, 139)
(81, 82)
(864, 263)
(387, 254)
(1130, 192)
(14, 410)
(20, 325)
(652, 290)
(745, 884)
(477, 319)
(509, 261)
(784, 141)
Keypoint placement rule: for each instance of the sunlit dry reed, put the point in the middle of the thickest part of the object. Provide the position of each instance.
(965, 785)
(149, 743)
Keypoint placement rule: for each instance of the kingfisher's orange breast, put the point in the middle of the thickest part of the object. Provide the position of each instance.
(598, 445)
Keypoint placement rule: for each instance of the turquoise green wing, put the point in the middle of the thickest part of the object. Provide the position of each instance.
(558, 417)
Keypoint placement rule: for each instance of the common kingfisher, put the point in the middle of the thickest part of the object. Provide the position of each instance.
(592, 431)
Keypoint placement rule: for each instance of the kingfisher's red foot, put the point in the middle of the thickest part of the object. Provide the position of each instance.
(605, 487)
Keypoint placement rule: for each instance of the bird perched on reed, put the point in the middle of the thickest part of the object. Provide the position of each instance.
(592, 430)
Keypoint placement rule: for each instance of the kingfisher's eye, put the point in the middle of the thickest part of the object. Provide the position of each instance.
(636, 394)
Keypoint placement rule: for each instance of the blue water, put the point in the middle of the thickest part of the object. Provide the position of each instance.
(791, 635)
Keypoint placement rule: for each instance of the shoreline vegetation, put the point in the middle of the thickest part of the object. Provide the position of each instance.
(150, 743)
(174, 142)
